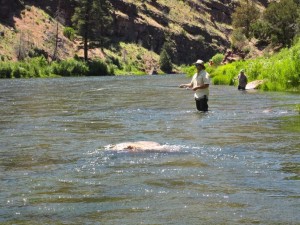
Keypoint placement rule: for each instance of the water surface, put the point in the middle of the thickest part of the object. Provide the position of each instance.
(238, 163)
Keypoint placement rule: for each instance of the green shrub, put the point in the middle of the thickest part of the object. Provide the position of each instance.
(69, 33)
(19, 71)
(36, 52)
(222, 80)
(5, 70)
(70, 67)
(36, 67)
(189, 70)
(97, 68)
(115, 61)
(217, 59)
(128, 67)
(238, 39)
(111, 70)
(226, 74)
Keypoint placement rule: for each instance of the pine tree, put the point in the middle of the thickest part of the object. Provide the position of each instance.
(92, 18)
(165, 62)
(244, 15)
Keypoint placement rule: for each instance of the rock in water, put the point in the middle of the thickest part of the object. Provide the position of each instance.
(142, 146)
(254, 84)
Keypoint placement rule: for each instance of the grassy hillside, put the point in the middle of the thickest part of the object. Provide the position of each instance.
(34, 29)
(190, 24)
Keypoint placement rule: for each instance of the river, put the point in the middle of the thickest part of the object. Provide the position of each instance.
(237, 164)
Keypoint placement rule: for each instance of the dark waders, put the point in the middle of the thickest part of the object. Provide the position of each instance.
(201, 104)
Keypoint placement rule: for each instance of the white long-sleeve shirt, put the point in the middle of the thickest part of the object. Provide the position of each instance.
(199, 79)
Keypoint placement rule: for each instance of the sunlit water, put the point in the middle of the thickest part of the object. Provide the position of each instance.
(237, 164)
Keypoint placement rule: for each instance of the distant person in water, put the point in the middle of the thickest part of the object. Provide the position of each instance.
(243, 80)
(200, 85)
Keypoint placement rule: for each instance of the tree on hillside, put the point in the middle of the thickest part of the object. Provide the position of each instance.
(58, 18)
(244, 15)
(92, 19)
(165, 61)
(170, 48)
(281, 21)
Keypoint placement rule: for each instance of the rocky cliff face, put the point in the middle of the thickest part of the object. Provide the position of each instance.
(191, 41)
(203, 33)
(193, 28)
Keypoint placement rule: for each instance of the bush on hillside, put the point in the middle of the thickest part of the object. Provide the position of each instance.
(5, 70)
(37, 52)
(113, 60)
(69, 33)
(70, 67)
(97, 68)
(217, 59)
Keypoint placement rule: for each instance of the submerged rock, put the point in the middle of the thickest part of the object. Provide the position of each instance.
(142, 146)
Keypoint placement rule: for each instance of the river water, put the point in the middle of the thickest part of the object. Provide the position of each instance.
(237, 163)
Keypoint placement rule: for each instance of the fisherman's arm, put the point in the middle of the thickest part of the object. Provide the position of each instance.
(189, 85)
(203, 86)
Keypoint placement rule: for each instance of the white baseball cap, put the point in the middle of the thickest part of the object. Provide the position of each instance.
(199, 61)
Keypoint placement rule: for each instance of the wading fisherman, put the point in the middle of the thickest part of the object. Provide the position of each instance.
(242, 78)
(200, 85)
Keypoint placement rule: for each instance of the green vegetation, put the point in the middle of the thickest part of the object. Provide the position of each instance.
(217, 59)
(131, 59)
(39, 67)
(92, 20)
(278, 24)
(165, 62)
(35, 67)
(281, 72)
(245, 15)
(125, 59)
(69, 68)
(69, 32)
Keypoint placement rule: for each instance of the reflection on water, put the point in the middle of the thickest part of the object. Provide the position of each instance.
(237, 164)
(292, 168)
